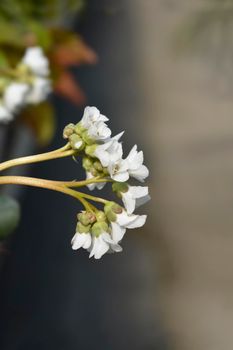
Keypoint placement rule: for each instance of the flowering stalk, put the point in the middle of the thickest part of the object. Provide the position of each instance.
(97, 231)
(59, 153)
(50, 185)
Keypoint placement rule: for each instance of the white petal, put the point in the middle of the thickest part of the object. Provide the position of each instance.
(78, 240)
(138, 191)
(118, 136)
(35, 59)
(100, 185)
(116, 248)
(101, 248)
(138, 222)
(140, 174)
(120, 177)
(129, 202)
(117, 232)
(124, 219)
(87, 243)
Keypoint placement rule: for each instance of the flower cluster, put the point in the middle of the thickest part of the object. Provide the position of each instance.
(28, 83)
(102, 158)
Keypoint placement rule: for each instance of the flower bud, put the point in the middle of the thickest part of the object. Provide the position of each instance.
(82, 228)
(100, 216)
(86, 218)
(99, 227)
(97, 165)
(79, 129)
(111, 209)
(76, 142)
(90, 150)
(120, 187)
(87, 163)
(68, 131)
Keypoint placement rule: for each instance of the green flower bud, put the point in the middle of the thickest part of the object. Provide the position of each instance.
(99, 227)
(111, 209)
(120, 187)
(100, 216)
(76, 142)
(82, 228)
(79, 129)
(68, 131)
(87, 163)
(87, 139)
(86, 218)
(98, 166)
(94, 172)
(105, 171)
(90, 150)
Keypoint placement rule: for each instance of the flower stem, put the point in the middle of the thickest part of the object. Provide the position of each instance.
(41, 183)
(59, 153)
(85, 182)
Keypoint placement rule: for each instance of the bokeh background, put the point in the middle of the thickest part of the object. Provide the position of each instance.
(165, 76)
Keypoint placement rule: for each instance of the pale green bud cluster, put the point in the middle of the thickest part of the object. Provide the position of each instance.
(77, 136)
(93, 223)
(94, 167)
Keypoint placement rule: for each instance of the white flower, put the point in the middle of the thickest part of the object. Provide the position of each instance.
(99, 131)
(136, 168)
(98, 185)
(5, 115)
(15, 96)
(130, 197)
(125, 221)
(109, 152)
(118, 170)
(35, 59)
(40, 89)
(103, 244)
(92, 115)
(81, 240)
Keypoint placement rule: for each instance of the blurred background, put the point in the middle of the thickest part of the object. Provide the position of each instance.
(164, 74)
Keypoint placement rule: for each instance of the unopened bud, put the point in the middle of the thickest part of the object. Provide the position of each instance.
(100, 216)
(98, 166)
(90, 150)
(68, 131)
(87, 163)
(86, 218)
(76, 142)
(120, 187)
(99, 227)
(82, 228)
(111, 209)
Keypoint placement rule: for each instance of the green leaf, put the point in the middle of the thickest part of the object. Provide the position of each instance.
(9, 215)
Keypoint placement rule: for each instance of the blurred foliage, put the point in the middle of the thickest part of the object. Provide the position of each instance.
(42, 23)
(9, 215)
(42, 121)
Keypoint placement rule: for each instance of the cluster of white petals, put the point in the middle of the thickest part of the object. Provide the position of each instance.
(107, 242)
(103, 157)
(30, 86)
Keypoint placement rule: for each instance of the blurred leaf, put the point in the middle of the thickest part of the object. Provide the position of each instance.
(73, 51)
(66, 86)
(42, 121)
(42, 34)
(3, 60)
(9, 215)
